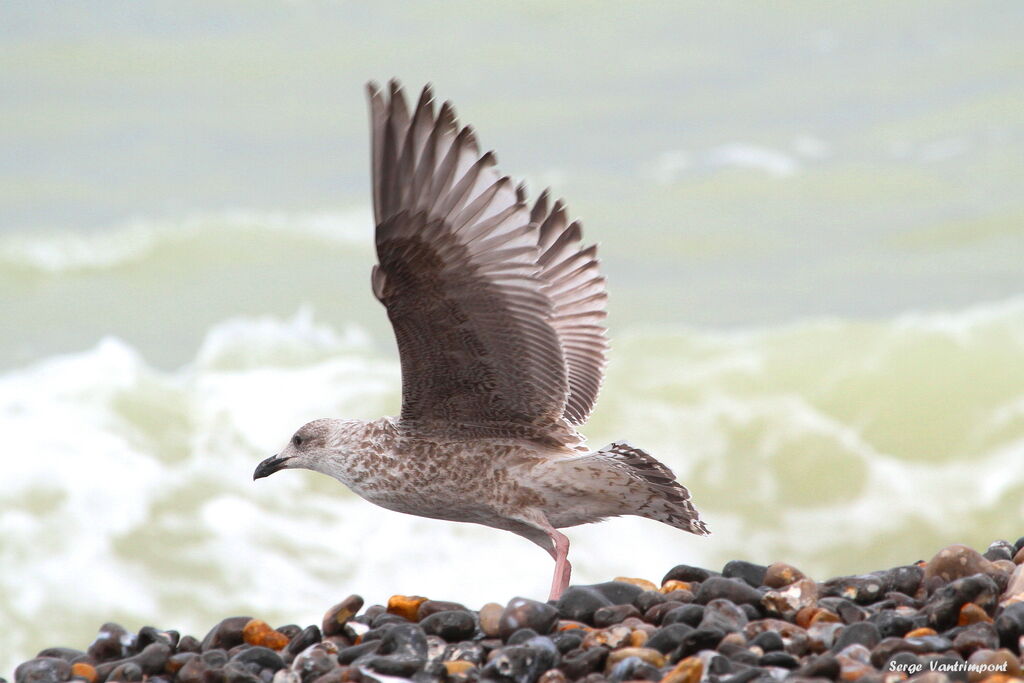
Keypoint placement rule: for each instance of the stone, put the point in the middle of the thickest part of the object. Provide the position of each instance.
(405, 606)
(193, 671)
(684, 572)
(768, 641)
(752, 574)
(189, 644)
(862, 589)
(795, 639)
(333, 623)
(490, 617)
(1015, 584)
(611, 637)
(617, 592)
(452, 625)
(820, 666)
(848, 611)
(943, 606)
(43, 670)
(780, 574)
(226, 634)
(891, 624)
(457, 666)
(861, 633)
(700, 639)
(649, 655)
(68, 654)
(112, 642)
(434, 606)
(149, 634)
(403, 651)
(526, 613)
(971, 613)
(350, 654)
(723, 615)
(978, 636)
(649, 599)
(823, 634)
(954, 562)
(305, 638)
(1018, 557)
(126, 671)
(580, 663)
(150, 661)
(795, 596)
(999, 550)
(579, 603)
(259, 633)
(734, 590)
(519, 664)
(642, 584)
(521, 636)
(1010, 625)
(614, 614)
(85, 671)
(668, 638)
(685, 614)
(688, 670)
(674, 586)
(258, 657)
(993, 662)
(314, 661)
(780, 659)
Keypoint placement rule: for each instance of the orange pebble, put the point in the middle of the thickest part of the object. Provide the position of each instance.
(824, 615)
(568, 625)
(254, 631)
(918, 632)
(971, 613)
(688, 670)
(638, 638)
(83, 670)
(804, 616)
(674, 585)
(642, 583)
(405, 605)
(457, 666)
(258, 632)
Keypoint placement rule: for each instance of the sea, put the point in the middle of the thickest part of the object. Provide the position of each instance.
(810, 216)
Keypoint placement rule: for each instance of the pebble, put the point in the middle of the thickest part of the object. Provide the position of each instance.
(452, 625)
(490, 619)
(748, 623)
(85, 671)
(723, 615)
(43, 670)
(794, 597)
(689, 670)
(226, 634)
(526, 613)
(258, 633)
(862, 633)
(336, 617)
(954, 562)
(943, 607)
(405, 606)
(752, 574)
(614, 614)
(734, 590)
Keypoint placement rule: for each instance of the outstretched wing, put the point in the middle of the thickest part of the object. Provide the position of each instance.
(461, 276)
(578, 296)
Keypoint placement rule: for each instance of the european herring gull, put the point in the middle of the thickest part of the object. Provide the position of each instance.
(498, 311)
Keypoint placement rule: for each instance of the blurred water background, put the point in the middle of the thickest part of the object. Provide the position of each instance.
(810, 215)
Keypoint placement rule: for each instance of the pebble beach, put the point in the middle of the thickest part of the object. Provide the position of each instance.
(958, 616)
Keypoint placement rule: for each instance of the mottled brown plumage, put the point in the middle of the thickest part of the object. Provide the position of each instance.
(498, 315)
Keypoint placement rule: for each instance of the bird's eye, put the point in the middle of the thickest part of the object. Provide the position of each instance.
(296, 440)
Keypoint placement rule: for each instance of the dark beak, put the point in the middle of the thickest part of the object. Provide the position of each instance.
(269, 466)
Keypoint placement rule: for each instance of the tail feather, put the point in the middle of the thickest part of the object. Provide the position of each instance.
(671, 504)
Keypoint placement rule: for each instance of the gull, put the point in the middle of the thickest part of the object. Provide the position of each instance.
(498, 313)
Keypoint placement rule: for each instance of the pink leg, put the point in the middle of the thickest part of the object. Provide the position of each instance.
(563, 569)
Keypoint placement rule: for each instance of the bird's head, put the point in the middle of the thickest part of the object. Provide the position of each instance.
(307, 449)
